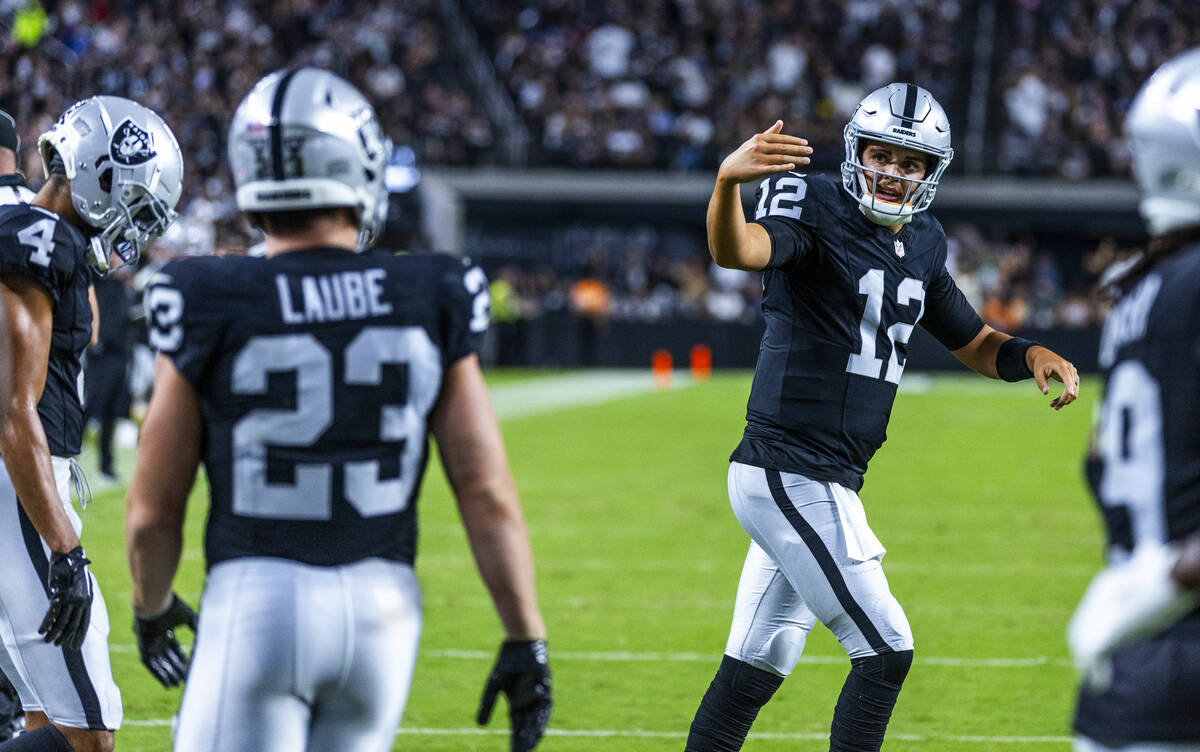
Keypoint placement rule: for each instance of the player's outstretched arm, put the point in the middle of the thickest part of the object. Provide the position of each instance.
(168, 456)
(472, 452)
(732, 241)
(1001, 356)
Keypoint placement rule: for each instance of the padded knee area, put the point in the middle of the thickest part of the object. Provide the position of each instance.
(890, 667)
(730, 706)
(865, 706)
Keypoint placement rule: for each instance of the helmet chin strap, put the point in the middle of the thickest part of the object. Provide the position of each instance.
(867, 198)
(879, 218)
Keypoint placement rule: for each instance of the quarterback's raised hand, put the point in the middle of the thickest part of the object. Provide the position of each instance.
(522, 673)
(70, 589)
(1045, 364)
(161, 652)
(764, 154)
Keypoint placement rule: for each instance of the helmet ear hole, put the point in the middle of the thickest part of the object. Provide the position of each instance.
(106, 180)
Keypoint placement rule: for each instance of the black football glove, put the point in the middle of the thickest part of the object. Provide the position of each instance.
(70, 591)
(523, 674)
(160, 651)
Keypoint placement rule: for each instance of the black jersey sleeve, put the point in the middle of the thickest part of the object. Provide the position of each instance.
(41, 247)
(466, 307)
(786, 207)
(183, 322)
(948, 315)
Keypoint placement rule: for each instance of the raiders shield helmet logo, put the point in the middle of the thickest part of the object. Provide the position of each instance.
(131, 145)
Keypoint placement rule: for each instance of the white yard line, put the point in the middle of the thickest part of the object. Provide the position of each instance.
(644, 734)
(545, 394)
(622, 656)
(939, 569)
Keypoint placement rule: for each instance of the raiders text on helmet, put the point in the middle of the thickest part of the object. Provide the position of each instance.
(126, 172)
(902, 115)
(1164, 135)
(306, 139)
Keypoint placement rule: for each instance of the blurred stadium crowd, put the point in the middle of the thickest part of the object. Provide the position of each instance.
(657, 84)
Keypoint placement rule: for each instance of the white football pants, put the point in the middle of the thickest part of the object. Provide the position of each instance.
(74, 688)
(292, 657)
(812, 557)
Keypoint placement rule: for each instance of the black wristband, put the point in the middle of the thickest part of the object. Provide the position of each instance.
(1010, 359)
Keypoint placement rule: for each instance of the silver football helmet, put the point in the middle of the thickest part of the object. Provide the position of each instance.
(1163, 126)
(126, 173)
(306, 139)
(903, 115)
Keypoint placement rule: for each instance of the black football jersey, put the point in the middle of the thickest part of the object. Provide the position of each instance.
(1143, 468)
(841, 296)
(41, 246)
(316, 371)
(1144, 463)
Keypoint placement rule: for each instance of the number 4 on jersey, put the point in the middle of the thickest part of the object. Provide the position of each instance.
(40, 237)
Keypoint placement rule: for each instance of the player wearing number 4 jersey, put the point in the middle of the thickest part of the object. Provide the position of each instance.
(307, 381)
(848, 271)
(1136, 635)
(113, 175)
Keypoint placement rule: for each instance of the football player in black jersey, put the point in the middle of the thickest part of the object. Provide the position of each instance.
(308, 381)
(114, 174)
(1136, 635)
(12, 191)
(848, 270)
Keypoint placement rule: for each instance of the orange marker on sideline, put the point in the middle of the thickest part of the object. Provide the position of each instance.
(660, 366)
(701, 362)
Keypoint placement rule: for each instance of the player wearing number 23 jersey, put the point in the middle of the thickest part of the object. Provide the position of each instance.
(308, 382)
(849, 270)
(318, 369)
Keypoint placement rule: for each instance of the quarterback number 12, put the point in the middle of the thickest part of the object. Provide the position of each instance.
(864, 362)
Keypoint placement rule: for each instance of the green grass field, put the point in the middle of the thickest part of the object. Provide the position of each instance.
(978, 496)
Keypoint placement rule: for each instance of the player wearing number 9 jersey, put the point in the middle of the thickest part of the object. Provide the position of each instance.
(1136, 635)
(848, 271)
(308, 382)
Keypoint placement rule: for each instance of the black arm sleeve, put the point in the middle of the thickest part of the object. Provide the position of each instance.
(948, 315)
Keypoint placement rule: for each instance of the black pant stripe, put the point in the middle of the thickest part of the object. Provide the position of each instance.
(827, 564)
(73, 658)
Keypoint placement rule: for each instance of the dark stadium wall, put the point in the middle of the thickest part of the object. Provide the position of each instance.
(563, 340)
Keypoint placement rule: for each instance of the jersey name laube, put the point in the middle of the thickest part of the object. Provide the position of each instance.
(333, 297)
